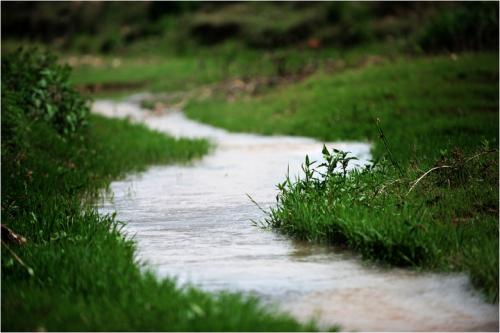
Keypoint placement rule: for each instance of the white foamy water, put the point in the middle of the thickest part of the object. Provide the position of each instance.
(194, 222)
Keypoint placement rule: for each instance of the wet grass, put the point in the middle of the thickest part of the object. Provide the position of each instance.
(435, 111)
(77, 271)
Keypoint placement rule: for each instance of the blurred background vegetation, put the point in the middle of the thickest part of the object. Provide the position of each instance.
(180, 27)
(177, 46)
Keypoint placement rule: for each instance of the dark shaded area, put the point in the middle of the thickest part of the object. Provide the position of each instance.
(109, 26)
(471, 26)
(109, 87)
(209, 34)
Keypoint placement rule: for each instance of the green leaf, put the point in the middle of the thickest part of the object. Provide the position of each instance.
(325, 151)
(51, 110)
(197, 310)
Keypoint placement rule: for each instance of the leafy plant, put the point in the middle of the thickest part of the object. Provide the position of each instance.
(36, 85)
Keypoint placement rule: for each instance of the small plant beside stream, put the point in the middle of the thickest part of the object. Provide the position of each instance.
(402, 218)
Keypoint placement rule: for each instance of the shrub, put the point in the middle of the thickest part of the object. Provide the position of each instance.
(36, 86)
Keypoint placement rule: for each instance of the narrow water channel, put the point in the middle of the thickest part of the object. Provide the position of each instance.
(194, 222)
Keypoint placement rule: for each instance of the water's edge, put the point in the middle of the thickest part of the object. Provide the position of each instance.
(194, 222)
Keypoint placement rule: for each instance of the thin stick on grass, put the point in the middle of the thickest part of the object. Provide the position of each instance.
(381, 189)
(425, 174)
(386, 144)
(479, 154)
(448, 166)
(18, 259)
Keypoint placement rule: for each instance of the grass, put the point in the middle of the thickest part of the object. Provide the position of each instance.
(447, 222)
(79, 271)
(156, 72)
(451, 101)
(434, 111)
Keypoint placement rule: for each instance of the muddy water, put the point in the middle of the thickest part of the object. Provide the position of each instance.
(195, 223)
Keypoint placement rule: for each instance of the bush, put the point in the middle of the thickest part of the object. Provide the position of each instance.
(35, 85)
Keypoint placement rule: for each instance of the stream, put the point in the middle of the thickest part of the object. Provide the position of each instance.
(195, 222)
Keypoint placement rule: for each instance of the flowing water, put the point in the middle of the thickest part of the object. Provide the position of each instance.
(194, 222)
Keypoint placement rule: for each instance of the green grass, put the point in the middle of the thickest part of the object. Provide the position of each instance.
(448, 222)
(155, 73)
(434, 111)
(452, 102)
(172, 73)
(85, 276)
(158, 72)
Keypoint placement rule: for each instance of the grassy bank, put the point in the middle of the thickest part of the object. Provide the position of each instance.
(434, 111)
(420, 102)
(76, 271)
(211, 67)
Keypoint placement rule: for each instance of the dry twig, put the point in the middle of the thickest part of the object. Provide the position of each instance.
(425, 174)
(18, 259)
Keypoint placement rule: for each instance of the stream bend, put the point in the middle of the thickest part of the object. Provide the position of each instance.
(194, 222)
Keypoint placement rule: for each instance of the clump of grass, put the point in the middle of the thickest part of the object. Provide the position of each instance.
(390, 217)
